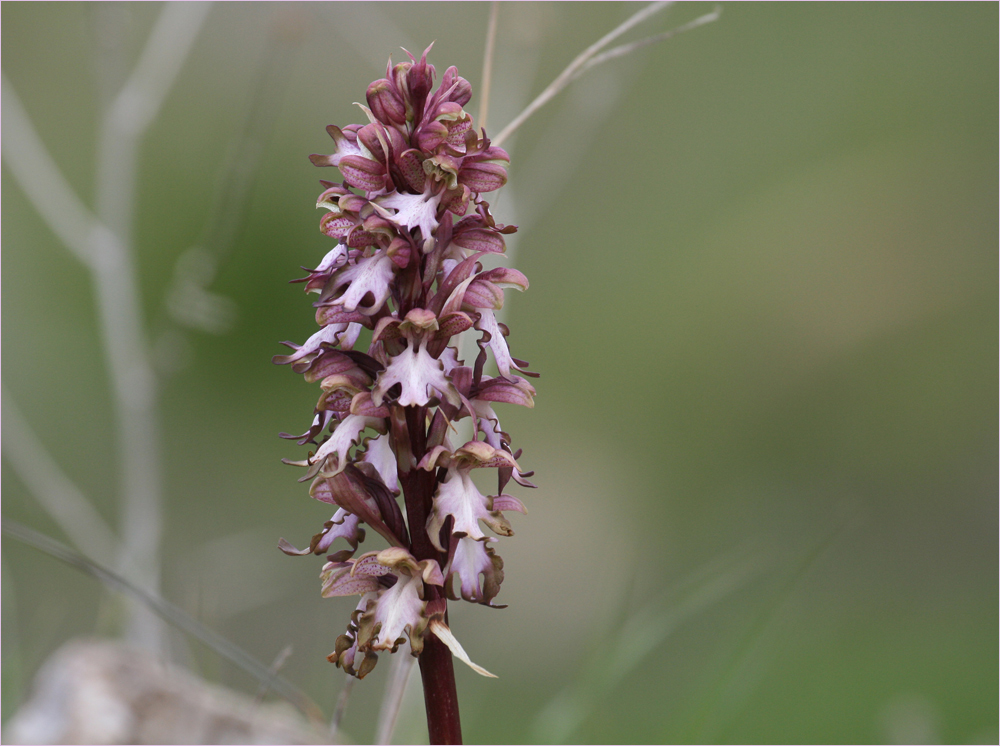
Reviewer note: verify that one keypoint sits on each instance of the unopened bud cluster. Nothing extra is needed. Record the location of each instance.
(410, 228)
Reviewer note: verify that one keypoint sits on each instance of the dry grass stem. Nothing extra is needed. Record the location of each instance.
(491, 37)
(395, 688)
(42, 181)
(567, 75)
(276, 666)
(625, 49)
(54, 491)
(341, 708)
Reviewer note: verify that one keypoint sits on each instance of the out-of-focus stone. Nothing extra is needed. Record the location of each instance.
(102, 692)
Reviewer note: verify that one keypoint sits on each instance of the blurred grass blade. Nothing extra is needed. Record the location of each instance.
(170, 613)
(341, 708)
(279, 661)
(491, 38)
(640, 634)
(395, 688)
(700, 720)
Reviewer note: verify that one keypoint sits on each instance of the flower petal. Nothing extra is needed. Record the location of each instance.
(346, 144)
(345, 526)
(347, 434)
(508, 502)
(483, 294)
(512, 390)
(488, 323)
(482, 177)
(370, 564)
(328, 334)
(337, 580)
(379, 454)
(352, 490)
(362, 173)
(488, 423)
(444, 635)
(347, 644)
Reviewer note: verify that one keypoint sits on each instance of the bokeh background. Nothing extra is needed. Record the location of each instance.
(763, 264)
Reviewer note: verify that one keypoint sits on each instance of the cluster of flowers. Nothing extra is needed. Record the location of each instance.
(411, 229)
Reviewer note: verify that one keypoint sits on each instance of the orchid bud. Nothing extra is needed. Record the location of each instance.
(386, 104)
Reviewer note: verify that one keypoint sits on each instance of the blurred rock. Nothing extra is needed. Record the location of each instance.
(102, 692)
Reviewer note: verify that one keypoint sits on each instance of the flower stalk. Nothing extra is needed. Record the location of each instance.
(411, 231)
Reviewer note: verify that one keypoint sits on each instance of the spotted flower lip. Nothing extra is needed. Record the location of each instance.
(411, 232)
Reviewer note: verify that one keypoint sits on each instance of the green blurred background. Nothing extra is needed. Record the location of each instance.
(763, 264)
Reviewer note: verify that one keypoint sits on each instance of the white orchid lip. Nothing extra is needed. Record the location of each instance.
(478, 569)
(419, 375)
(369, 275)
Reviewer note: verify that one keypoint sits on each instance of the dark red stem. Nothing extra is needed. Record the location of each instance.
(437, 670)
(440, 695)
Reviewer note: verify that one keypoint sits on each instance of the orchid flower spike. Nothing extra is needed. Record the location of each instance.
(410, 228)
